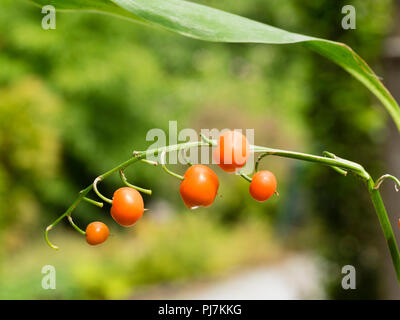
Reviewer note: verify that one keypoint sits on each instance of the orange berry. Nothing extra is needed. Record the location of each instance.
(200, 186)
(127, 206)
(96, 233)
(232, 152)
(263, 185)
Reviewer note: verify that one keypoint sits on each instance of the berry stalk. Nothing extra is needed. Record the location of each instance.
(340, 165)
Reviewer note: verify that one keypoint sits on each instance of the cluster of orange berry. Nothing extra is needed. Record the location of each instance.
(198, 188)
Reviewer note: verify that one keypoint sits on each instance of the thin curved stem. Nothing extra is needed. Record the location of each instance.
(387, 176)
(245, 176)
(71, 208)
(98, 179)
(187, 161)
(75, 226)
(125, 181)
(46, 237)
(162, 161)
(260, 157)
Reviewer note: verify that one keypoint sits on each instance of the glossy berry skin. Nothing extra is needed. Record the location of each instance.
(127, 206)
(199, 187)
(232, 152)
(263, 185)
(96, 233)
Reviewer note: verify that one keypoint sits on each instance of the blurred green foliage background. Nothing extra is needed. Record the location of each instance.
(76, 101)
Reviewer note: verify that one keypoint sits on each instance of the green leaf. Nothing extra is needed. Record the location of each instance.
(99, 6)
(205, 23)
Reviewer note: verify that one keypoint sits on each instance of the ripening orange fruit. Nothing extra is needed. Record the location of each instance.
(96, 233)
(199, 187)
(232, 151)
(127, 206)
(263, 185)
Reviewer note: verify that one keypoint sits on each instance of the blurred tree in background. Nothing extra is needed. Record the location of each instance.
(344, 119)
(77, 100)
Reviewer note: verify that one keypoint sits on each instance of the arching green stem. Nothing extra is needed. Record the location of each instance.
(329, 160)
(75, 226)
(187, 161)
(98, 192)
(245, 176)
(46, 237)
(125, 181)
(260, 157)
(162, 161)
(388, 176)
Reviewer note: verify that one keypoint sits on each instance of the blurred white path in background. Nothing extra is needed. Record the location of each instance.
(296, 277)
